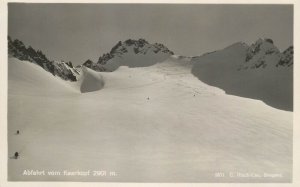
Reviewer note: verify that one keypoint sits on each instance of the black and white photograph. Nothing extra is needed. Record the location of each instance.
(149, 92)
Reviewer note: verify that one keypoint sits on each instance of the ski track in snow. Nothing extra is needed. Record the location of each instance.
(173, 136)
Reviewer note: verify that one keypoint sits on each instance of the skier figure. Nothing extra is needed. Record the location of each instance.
(148, 98)
(18, 132)
(16, 155)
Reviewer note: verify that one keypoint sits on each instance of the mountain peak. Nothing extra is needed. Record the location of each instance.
(140, 42)
(262, 40)
(261, 47)
(132, 53)
(139, 46)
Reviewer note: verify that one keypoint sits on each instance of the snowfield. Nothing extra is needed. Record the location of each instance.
(147, 124)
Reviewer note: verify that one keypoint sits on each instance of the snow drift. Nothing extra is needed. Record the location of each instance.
(91, 81)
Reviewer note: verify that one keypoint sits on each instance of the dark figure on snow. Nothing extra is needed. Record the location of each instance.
(18, 132)
(16, 155)
(148, 98)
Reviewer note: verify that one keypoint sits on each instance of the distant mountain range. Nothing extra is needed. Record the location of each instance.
(258, 71)
(131, 53)
(64, 70)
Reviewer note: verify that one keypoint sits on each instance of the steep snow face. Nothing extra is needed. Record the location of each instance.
(131, 53)
(90, 81)
(258, 71)
(61, 69)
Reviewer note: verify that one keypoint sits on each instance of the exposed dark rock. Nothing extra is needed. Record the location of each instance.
(139, 47)
(17, 49)
(287, 57)
(88, 63)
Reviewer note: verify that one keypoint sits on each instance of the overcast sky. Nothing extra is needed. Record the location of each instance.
(77, 32)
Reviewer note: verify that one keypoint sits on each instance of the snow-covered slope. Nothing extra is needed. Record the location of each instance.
(131, 53)
(258, 71)
(148, 124)
(26, 78)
